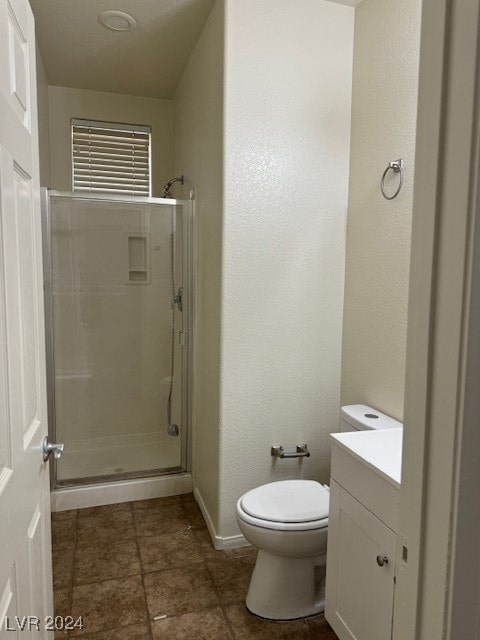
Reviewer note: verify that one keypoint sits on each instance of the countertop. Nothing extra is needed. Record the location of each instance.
(381, 450)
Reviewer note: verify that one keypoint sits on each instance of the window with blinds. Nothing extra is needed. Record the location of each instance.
(110, 157)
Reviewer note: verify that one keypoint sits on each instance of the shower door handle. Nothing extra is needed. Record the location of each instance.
(178, 299)
(49, 448)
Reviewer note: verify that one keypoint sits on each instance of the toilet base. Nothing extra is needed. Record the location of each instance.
(286, 588)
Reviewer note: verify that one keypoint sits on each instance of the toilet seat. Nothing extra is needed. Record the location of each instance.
(288, 505)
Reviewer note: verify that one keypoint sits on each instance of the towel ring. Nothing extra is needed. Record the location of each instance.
(397, 167)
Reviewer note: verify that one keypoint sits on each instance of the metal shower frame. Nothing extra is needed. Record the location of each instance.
(188, 328)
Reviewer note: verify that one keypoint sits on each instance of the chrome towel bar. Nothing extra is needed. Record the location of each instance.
(279, 452)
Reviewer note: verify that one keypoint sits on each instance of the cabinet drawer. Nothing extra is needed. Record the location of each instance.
(359, 592)
(370, 489)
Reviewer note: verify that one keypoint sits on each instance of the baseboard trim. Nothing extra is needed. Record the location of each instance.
(220, 543)
(95, 495)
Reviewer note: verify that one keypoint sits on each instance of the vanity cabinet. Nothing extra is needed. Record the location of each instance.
(363, 519)
(360, 570)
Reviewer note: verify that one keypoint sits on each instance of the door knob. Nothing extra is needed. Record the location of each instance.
(49, 448)
(382, 560)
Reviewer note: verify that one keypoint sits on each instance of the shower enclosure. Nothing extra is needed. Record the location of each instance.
(118, 290)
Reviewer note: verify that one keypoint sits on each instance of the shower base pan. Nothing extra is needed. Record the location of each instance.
(117, 457)
(119, 469)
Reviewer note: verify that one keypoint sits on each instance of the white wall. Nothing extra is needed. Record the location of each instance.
(198, 117)
(287, 135)
(384, 105)
(96, 105)
(43, 122)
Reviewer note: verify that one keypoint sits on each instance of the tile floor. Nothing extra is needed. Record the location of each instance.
(147, 570)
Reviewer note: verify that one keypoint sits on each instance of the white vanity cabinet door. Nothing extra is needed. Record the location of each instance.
(359, 592)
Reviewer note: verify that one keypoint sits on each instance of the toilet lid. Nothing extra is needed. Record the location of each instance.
(287, 501)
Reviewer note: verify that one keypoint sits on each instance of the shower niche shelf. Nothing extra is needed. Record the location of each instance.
(138, 258)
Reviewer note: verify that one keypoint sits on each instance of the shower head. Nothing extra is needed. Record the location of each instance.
(166, 187)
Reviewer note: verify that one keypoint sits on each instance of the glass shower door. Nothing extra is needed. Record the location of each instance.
(115, 265)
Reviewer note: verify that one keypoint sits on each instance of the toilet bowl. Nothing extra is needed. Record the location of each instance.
(288, 522)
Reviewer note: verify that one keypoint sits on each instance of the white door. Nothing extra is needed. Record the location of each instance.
(25, 556)
(360, 570)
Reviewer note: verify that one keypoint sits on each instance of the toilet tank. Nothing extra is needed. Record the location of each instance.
(360, 417)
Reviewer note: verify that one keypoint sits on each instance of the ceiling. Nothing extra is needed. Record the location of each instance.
(148, 61)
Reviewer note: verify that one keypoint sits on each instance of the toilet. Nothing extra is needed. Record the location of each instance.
(288, 522)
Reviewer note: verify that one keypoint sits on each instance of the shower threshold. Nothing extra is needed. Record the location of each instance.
(116, 477)
(115, 490)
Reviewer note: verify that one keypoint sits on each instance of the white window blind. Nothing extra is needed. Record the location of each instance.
(111, 157)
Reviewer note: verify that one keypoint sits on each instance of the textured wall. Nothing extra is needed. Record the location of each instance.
(96, 105)
(287, 136)
(384, 104)
(198, 118)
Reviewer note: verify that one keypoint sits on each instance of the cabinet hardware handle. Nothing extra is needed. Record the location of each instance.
(382, 560)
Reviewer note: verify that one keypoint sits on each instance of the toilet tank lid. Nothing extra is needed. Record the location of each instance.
(287, 501)
(361, 416)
